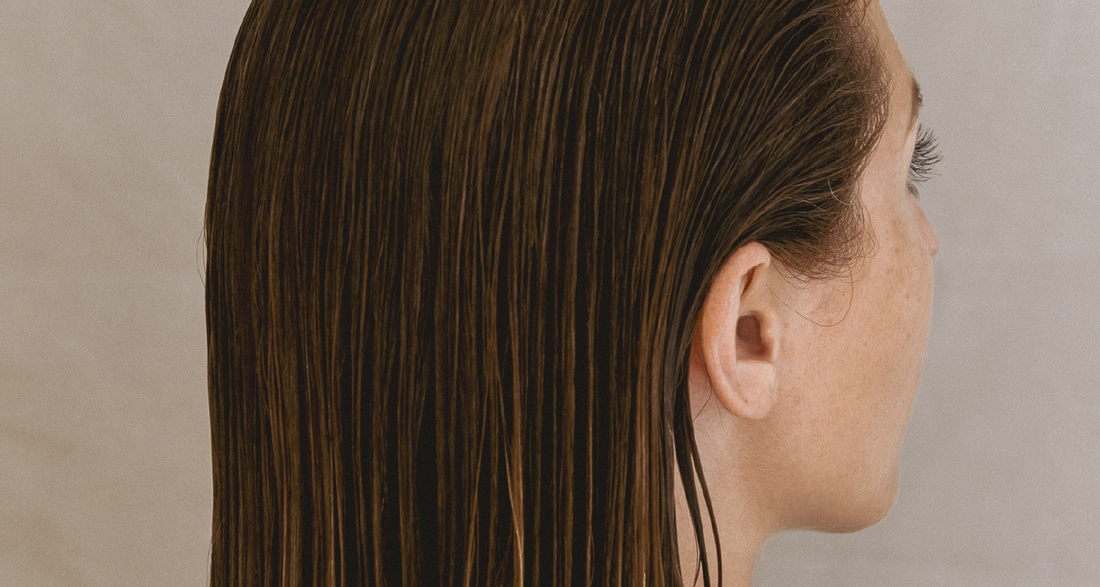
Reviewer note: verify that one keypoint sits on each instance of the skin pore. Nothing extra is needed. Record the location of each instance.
(801, 390)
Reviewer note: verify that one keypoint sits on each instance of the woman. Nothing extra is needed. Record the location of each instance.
(548, 293)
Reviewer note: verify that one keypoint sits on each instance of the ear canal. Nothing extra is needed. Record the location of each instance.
(750, 342)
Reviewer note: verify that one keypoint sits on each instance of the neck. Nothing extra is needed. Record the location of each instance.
(742, 536)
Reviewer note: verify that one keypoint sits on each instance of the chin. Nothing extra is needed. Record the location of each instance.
(860, 507)
(868, 515)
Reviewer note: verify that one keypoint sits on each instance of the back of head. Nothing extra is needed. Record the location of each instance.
(456, 252)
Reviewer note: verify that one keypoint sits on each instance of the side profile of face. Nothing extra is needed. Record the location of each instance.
(853, 350)
(814, 381)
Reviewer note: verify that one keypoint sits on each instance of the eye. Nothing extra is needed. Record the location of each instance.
(926, 155)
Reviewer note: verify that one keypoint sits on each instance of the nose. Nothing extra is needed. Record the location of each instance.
(930, 238)
(926, 230)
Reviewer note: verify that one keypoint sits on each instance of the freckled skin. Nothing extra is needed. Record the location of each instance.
(847, 388)
(818, 447)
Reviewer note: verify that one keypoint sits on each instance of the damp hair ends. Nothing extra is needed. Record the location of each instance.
(455, 255)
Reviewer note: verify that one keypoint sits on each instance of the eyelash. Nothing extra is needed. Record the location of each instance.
(926, 155)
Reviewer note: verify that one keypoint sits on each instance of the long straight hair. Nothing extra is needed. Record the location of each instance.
(456, 252)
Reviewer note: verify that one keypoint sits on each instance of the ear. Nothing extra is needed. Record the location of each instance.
(736, 335)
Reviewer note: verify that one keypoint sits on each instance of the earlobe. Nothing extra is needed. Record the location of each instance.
(737, 336)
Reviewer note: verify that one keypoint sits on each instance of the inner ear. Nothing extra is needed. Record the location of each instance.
(750, 341)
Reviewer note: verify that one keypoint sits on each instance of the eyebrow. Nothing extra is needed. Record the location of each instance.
(918, 101)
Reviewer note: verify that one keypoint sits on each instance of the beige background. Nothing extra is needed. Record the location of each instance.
(106, 115)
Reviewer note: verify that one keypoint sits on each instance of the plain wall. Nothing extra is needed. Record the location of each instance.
(106, 117)
(106, 120)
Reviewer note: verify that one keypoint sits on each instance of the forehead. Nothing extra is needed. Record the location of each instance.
(887, 44)
(905, 98)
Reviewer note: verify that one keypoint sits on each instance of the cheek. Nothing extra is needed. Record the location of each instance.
(856, 349)
(902, 288)
(901, 295)
(918, 247)
(895, 329)
(879, 353)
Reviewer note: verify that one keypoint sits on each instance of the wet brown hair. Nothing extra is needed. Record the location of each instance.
(456, 252)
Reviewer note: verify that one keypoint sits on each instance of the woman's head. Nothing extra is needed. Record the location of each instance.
(801, 388)
(459, 254)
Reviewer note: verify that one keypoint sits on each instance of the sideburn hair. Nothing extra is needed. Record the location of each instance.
(456, 252)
